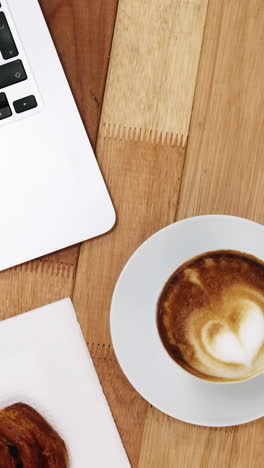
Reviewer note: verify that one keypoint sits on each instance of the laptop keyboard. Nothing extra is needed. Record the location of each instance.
(5, 110)
(12, 72)
(7, 44)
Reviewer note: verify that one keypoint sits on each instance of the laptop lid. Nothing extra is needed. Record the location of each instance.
(52, 193)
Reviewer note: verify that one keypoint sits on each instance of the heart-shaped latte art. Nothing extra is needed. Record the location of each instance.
(237, 338)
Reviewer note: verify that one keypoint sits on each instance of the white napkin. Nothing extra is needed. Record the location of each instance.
(44, 362)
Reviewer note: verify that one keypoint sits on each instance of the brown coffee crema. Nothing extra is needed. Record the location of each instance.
(210, 316)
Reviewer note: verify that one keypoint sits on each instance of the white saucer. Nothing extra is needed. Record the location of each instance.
(135, 338)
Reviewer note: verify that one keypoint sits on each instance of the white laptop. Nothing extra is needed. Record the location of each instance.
(52, 193)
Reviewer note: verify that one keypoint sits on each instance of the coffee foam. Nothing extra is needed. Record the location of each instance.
(211, 316)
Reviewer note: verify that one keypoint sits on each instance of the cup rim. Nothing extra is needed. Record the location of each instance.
(210, 379)
(125, 314)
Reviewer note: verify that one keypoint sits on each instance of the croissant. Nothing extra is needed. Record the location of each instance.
(28, 441)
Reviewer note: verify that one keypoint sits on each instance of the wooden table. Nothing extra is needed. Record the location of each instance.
(194, 147)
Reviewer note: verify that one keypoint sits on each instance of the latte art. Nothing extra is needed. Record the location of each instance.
(228, 344)
(211, 316)
(240, 346)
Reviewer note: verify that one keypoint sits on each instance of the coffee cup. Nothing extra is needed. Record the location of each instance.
(210, 316)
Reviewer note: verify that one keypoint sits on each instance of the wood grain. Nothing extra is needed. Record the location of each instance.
(37, 283)
(171, 444)
(143, 180)
(128, 408)
(153, 68)
(82, 31)
(225, 158)
(247, 447)
(224, 173)
(143, 174)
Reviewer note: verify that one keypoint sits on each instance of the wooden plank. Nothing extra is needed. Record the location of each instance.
(225, 158)
(224, 173)
(173, 444)
(37, 283)
(82, 31)
(128, 408)
(153, 67)
(143, 172)
(144, 181)
(247, 449)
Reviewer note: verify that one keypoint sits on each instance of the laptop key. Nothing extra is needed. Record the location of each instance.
(7, 43)
(25, 104)
(12, 73)
(5, 110)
